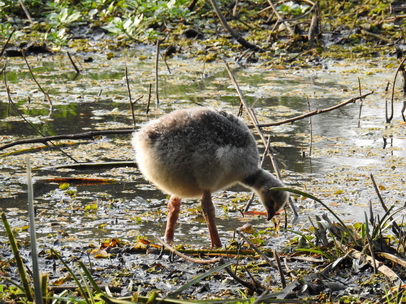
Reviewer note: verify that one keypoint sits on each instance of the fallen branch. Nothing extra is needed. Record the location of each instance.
(86, 166)
(187, 258)
(382, 268)
(85, 135)
(315, 112)
(254, 286)
(395, 259)
(233, 33)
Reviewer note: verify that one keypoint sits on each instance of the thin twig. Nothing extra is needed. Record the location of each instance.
(254, 120)
(91, 134)
(315, 112)
(388, 119)
(149, 98)
(183, 256)
(247, 206)
(129, 96)
(7, 41)
(166, 63)
(403, 70)
(396, 229)
(252, 116)
(378, 193)
(280, 19)
(361, 103)
(255, 248)
(26, 12)
(39, 86)
(74, 66)
(255, 284)
(43, 139)
(314, 29)
(238, 279)
(311, 129)
(158, 42)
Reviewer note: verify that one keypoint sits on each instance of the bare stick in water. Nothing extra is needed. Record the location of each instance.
(39, 86)
(158, 42)
(389, 118)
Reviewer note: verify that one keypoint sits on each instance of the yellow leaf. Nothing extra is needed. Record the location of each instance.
(60, 281)
(64, 186)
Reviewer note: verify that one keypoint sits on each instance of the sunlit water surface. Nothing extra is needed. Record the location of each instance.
(330, 155)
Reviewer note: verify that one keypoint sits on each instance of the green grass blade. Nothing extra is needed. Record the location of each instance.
(33, 236)
(87, 288)
(75, 278)
(323, 204)
(90, 278)
(20, 265)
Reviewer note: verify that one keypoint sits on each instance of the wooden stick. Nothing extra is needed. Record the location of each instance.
(39, 86)
(7, 41)
(233, 33)
(311, 130)
(84, 135)
(158, 42)
(315, 112)
(382, 268)
(255, 248)
(396, 229)
(388, 119)
(149, 98)
(129, 96)
(280, 19)
(360, 106)
(247, 206)
(278, 263)
(253, 117)
(26, 12)
(74, 66)
(261, 134)
(398, 260)
(183, 256)
(314, 29)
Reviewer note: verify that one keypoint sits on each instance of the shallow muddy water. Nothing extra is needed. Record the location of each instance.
(332, 157)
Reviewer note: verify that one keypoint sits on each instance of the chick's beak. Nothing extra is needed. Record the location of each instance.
(271, 212)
